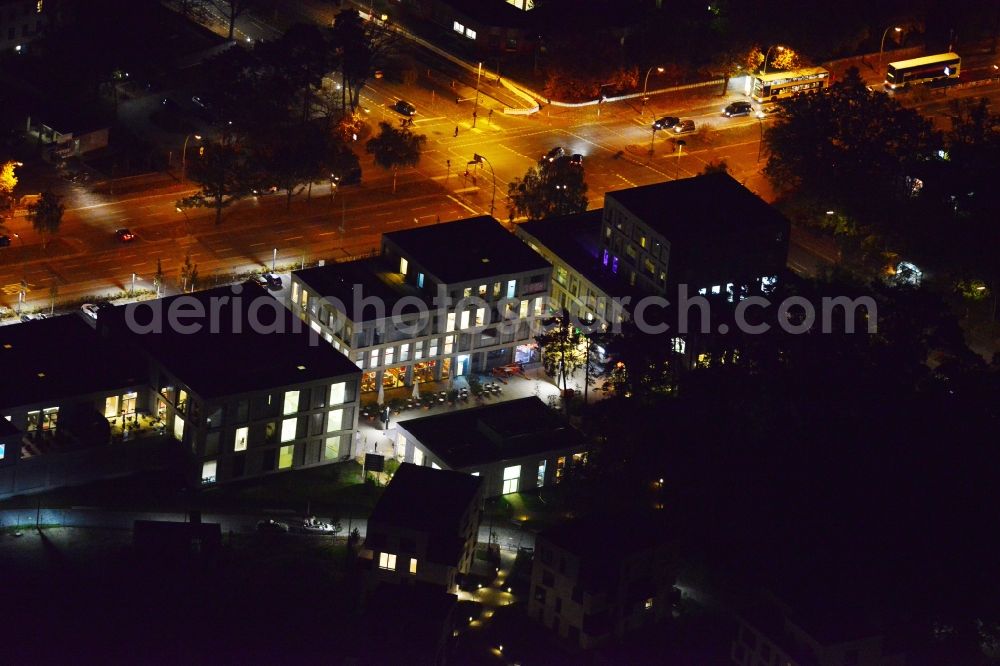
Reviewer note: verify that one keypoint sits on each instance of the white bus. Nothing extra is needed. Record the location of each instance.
(922, 70)
(782, 85)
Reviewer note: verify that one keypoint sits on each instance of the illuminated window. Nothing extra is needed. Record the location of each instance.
(413, 566)
(717, 289)
(208, 471)
(434, 465)
(420, 280)
(285, 455)
(458, 27)
(295, 292)
(470, 33)
(482, 291)
(648, 603)
(467, 292)
(387, 561)
(540, 481)
(403, 265)
(111, 406)
(679, 345)
(331, 448)
(291, 403)
(418, 456)
(522, 310)
(338, 393)
(511, 288)
(404, 352)
(511, 475)
(373, 360)
(538, 306)
(496, 289)
(451, 323)
(288, 429)
(480, 316)
(449, 343)
(465, 320)
(475, 474)
(38, 7)
(390, 354)
(178, 428)
(240, 443)
(433, 349)
(335, 420)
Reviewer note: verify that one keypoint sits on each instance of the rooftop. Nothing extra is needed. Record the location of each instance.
(502, 431)
(426, 499)
(346, 284)
(244, 343)
(47, 360)
(467, 250)
(699, 209)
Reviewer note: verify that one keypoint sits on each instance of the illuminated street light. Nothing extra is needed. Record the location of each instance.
(881, 46)
(645, 86)
(768, 55)
(184, 154)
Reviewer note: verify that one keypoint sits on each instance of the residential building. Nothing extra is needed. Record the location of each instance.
(596, 579)
(239, 381)
(514, 446)
(439, 301)
(424, 527)
(21, 21)
(708, 232)
(494, 26)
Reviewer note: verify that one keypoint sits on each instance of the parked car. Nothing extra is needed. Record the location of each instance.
(576, 159)
(34, 317)
(405, 108)
(271, 526)
(738, 109)
(684, 126)
(124, 235)
(267, 280)
(313, 526)
(90, 310)
(666, 122)
(554, 154)
(4, 241)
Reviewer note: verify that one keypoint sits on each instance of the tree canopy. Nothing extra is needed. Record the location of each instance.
(551, 189)
(395, 148)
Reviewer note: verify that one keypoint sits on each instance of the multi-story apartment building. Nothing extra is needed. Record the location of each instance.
(440, 301)
(424, 527)
(708, 232)
(21, 21)
(250, 391)
(590, 592)
(514, 446)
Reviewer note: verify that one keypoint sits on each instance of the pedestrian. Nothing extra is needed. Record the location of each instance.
(456, 130)
(490, 116)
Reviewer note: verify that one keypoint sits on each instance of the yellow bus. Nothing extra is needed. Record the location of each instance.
(922, 70)
(781, 85)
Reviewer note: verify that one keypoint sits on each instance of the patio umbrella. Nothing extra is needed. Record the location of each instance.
(381, 395)
(416, 389)
(451, 382)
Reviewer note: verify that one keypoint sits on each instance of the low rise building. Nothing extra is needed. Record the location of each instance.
(591, 588)
(439, 301)
(424, 527)
(514, 446)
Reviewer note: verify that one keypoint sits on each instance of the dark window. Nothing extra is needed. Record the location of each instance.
(574, 633)
(315, 424)
(540, 594)
(375, 540)
(407, 545)
(271, 432)
(239, 465)
(318, 398)
(562, 564)
(212, 443)
(548, 578)
(558, 604)
(577, 594)
(242, 411)
(546, 556)
(269, 458)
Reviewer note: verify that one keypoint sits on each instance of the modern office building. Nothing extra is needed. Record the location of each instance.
(513, 446)
(439, 301)
(424, 527)
(240, 382)
(591, 590)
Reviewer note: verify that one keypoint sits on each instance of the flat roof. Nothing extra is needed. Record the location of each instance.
(576, 239)
(699, 210)
(805, 71)
(924, 60)
(465, 250)
(493, 433)
(48, 360)
(346, 284)
(253, 344)
(426, 499)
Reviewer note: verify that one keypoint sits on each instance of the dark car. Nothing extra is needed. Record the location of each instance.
(124, 235)
(268, 280)
(405, 108)
(554, 154)
(4, 241)
(738, 109)
(576, 159)
(271, 526)
(684, 126)
(666, 122)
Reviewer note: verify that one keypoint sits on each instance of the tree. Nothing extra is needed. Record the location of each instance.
(552, 189)
(563, 350)
(46, 215)
(717, 165)
(8, 181)
(363, 47)
(158, 277)
(394, 148)
(223, 173)
(189, 273)
(231, 10)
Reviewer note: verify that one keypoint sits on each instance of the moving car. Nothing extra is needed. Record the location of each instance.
(554, 154)
(124, 235)
(576, 159)
(405, 108)
(90, 310)
(738, 109)
(684, 126)
(766, 110)
(272, 526)
(268, 280)
(666, 122)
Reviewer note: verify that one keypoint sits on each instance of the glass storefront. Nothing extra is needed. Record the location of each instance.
(394, 377)
(445, 368)
(526, 353)
(424, 371)
(368, 381)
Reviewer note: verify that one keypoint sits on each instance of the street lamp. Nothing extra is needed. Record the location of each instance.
(768, 55)
(475, 108)
(274, 259)
(479, 159)
(881, 46)
(184, 154)
(132, 293)
(645, 86)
